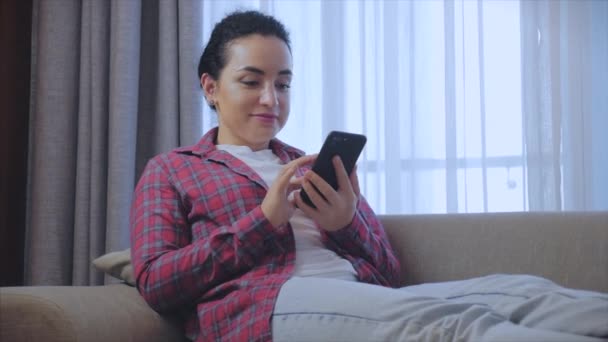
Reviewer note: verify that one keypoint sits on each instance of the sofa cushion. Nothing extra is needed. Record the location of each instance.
(106, 313)
(32, 318)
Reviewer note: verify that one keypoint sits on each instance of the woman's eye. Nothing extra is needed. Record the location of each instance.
(283, 86)
(250, 83)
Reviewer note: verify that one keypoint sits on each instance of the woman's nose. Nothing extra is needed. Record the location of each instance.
(269, 96)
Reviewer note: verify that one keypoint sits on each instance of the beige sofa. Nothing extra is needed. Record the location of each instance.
(568, 248)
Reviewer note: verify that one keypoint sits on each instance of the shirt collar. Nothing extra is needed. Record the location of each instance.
(205, 148)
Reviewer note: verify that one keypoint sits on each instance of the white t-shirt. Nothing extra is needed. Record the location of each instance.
(313, 259)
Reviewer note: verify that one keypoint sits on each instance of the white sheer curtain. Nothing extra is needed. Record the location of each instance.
(468, 106)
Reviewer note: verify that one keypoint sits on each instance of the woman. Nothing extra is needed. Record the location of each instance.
(221, 235)
(212, 223)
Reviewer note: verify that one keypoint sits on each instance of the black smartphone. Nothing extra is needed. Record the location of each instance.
(346, 145)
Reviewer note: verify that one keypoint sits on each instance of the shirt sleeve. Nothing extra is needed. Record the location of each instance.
(171, 270)
(364, 238)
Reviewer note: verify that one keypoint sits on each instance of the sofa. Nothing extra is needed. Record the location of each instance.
(570, 248)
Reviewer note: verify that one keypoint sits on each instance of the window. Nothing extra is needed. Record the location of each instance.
(435, 86)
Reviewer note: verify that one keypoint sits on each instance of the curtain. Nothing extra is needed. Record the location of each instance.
(564, 58)
(468, 106)
(565, 68)
(113, 83)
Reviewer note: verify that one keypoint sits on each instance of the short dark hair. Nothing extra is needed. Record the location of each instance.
(236, 25)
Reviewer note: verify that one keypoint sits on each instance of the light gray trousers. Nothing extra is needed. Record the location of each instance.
(492, 308)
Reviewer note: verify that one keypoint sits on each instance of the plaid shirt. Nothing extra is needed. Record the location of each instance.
(202, 247)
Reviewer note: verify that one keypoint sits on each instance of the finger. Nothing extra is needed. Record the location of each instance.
(310, 160)
(294, 184)
(354, 181)
(285, 176)
(290, 169)
(314, 195)
(341, 175)
(322, 186)
(300, 204)
(296, 180)
(304, 160)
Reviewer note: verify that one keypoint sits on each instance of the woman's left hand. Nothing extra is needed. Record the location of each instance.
(335, 208)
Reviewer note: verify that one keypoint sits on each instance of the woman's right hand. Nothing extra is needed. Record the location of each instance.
(276, 206)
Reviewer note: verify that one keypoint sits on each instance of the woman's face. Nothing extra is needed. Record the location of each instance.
(251, 96)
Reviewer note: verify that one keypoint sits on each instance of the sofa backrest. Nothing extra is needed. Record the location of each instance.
(570, 248)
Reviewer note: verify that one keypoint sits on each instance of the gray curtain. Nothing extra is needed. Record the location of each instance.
(113, 83)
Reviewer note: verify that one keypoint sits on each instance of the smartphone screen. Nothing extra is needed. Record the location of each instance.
(346, 145)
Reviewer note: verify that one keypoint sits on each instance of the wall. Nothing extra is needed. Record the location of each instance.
(15, 51)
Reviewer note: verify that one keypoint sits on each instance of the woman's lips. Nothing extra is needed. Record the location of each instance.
(265, 117)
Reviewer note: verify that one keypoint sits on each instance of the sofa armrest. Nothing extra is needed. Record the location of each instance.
(81, 313)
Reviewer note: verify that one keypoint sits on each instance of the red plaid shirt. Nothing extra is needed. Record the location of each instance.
(202, 247)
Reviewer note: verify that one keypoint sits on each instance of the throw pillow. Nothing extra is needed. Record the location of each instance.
(117, 264)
